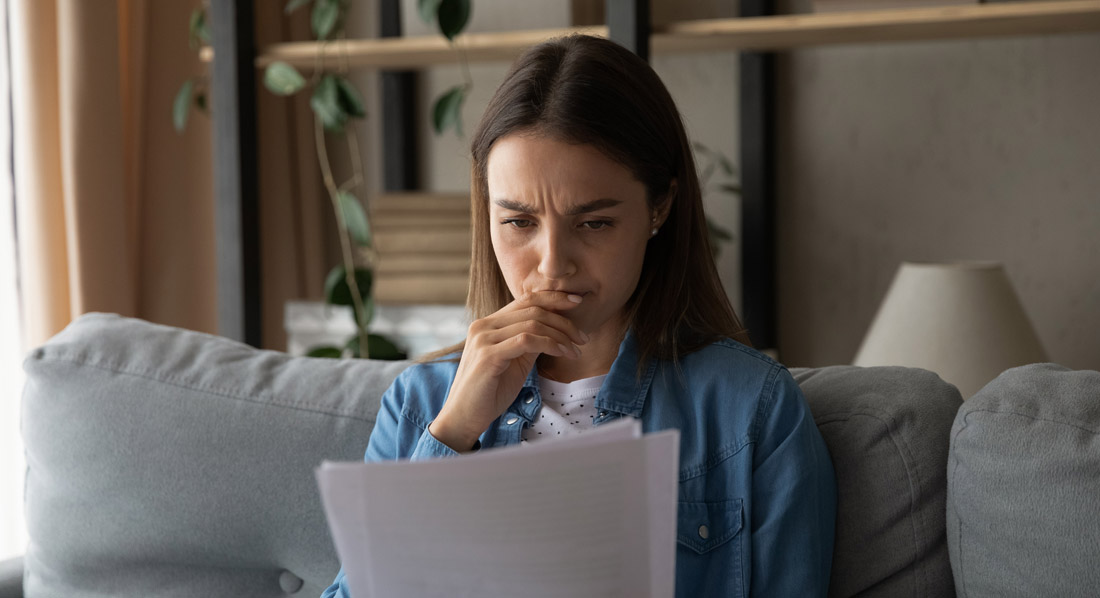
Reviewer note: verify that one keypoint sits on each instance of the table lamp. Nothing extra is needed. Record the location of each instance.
(961, 320)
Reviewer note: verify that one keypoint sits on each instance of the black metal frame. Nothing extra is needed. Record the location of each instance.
(236, 204)
(628, 24)
(400, 170)
(628, 21)
(758, 225)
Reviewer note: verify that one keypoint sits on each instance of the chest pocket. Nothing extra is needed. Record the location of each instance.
(704, 526)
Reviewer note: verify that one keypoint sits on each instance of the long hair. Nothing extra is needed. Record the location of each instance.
(587, 90)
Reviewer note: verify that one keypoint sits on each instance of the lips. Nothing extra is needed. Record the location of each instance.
(567, 291)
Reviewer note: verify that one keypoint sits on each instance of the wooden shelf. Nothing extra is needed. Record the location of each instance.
(411, 52)
(759, 33)
(935, 23)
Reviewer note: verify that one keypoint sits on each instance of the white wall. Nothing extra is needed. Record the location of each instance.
(938, 151)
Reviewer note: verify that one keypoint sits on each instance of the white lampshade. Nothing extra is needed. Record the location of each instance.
(961, 320)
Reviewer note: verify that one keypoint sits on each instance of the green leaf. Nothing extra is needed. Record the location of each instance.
(327, 352)
(336, 285)
(453, 16)
(726, 165)
(379, 347)
(282, 79)
(200, 31)
(717, 236)
(325, 16)
(383, 348)
(181, 106)
(448, 110)
(326, 104)
(717, 232)
(428, 10)
(350, 100)
(294, 5)
(355, 219)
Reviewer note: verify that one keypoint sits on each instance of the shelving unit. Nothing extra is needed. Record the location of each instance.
(770, 33)
(757, 34)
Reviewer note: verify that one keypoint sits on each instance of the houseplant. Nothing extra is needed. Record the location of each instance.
(335, 101)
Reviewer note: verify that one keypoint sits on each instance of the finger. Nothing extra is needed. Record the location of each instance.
(541, 315)
(538, 330)
(526, 343)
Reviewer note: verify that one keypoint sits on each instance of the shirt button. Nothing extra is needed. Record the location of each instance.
(529, 400)
(512, 420)
(704, 533)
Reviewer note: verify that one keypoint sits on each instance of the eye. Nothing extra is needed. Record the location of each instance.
(516, 222)
(596, 224)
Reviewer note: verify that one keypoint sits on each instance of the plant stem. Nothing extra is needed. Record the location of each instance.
(345, 240)
(464, 62)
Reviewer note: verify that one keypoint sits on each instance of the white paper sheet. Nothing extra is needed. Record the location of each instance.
(592, 515)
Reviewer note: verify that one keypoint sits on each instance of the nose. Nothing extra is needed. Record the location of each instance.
(556, 260)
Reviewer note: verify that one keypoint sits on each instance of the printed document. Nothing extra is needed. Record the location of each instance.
(593, 515)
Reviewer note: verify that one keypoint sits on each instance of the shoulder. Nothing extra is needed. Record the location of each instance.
(735, 382)
(728, 361)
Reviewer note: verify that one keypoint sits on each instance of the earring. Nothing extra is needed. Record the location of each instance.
(653, 232)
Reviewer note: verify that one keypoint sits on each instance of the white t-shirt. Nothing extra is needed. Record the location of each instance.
(567, 408)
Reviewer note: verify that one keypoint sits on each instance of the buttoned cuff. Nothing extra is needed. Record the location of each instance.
(429, 447)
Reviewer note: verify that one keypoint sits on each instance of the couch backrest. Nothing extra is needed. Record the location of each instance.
(163, 462)
(1023, 486)
(887, 431)
(172, 463)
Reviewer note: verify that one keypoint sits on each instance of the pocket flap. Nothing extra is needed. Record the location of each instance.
(703, 526)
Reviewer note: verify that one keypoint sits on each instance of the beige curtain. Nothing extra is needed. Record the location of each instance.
(114, 209)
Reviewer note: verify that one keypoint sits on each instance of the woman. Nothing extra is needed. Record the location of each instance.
(591, 276)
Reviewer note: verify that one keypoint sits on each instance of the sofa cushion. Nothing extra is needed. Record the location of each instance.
(1023, 486)
(164, 462)
(887, 431)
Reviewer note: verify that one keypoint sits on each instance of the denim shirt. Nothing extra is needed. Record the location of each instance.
(757, 495)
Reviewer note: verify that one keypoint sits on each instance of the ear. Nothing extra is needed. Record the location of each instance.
(665, 206)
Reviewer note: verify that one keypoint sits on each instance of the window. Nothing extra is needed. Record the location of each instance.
(13, 535)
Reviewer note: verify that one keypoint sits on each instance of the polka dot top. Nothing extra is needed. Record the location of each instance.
(567, 408)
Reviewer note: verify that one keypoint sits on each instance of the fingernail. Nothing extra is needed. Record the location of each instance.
(584, 337)
(575, 298)
(577, 350)
(563, 348)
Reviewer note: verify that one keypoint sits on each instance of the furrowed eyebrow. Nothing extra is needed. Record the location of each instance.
(594, 206)
(515, 206)
(584, 208)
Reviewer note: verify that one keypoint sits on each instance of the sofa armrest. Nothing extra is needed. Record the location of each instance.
(11, 578)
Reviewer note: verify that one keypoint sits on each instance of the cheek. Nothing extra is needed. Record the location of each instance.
(623, 266)
(510, 262)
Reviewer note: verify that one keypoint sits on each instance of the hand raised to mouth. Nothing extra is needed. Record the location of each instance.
(500, 351)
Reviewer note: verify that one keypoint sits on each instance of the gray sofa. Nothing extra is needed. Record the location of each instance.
(163, 462)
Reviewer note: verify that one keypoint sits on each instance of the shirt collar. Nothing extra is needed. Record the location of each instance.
(623, 391)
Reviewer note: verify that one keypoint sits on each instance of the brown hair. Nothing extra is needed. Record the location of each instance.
(587, 90)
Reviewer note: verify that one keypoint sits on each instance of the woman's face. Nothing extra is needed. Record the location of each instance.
(566, 217)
